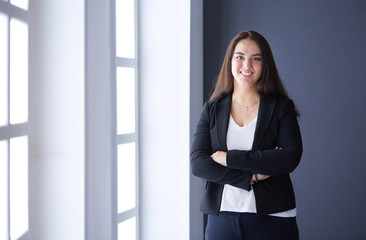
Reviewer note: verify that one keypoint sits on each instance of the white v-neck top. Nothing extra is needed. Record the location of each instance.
(236, 199)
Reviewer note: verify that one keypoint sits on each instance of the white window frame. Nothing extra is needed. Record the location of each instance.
(10, 131)
(130, 137)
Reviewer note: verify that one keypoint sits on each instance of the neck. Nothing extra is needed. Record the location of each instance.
(245, 96)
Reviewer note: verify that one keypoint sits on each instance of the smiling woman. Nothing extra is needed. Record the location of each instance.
(247, 141)
(246, 64)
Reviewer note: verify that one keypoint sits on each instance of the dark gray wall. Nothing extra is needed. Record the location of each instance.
(320, 51)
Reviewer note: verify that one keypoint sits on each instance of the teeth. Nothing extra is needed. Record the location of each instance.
(246, 74)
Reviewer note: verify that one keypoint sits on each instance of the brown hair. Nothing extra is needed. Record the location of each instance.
(269, 84)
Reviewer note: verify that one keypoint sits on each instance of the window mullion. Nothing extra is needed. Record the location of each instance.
(126, 138)
(12, 131)
(123, 216)
(13, 11)
(126, 62)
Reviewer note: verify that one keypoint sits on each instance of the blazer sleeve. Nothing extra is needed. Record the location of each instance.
(273, 161)
(203, 166)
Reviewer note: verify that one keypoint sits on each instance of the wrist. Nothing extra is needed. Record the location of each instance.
(254, 178)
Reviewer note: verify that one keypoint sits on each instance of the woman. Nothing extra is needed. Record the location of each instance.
(246, 143)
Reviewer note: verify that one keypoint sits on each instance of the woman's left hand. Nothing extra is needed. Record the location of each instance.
(220, 158)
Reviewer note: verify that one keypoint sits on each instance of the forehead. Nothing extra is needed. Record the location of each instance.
(247, 46)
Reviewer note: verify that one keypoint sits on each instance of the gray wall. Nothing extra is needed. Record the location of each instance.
(196, 219)
(320, 51)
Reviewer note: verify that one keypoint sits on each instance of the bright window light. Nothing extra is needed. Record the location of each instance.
(18, 186)
(126, 177)
(20, 3)
(4, 190)
(125, 36)
(125, 100)
(3, 70)
(127, 229)
(18, 71)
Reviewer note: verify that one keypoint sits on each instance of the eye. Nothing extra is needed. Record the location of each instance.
(258, 59)
(239, 57)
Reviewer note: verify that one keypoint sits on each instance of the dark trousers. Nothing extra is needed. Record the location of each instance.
(249, 226)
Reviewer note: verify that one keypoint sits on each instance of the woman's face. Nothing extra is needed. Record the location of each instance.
(246, 64)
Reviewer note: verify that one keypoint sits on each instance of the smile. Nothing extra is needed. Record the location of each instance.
(246, 74)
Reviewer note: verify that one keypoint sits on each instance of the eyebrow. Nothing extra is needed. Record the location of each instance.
(240, 53)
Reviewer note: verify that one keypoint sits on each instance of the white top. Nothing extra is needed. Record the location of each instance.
(236, 199)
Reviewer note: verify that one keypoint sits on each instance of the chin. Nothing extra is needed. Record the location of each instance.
(245, 82)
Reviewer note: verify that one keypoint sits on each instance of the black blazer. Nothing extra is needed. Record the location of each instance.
(276, 126)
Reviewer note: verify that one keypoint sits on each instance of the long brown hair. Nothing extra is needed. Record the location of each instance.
(269, 84)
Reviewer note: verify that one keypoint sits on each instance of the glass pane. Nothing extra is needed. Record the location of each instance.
(3, 70)
(125, 24)
(18, 71)
(4, 190)
(125, 100)
(127, 229)
(126, 177)
(18, 186)
(20, 3)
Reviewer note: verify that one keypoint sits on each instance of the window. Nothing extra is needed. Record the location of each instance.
(14, 25)
(127, 118)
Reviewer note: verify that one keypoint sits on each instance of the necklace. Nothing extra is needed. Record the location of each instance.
(246, 107)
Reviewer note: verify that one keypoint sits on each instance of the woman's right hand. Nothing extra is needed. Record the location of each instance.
(260, 177)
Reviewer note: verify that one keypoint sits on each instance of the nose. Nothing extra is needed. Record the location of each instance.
(247, 63)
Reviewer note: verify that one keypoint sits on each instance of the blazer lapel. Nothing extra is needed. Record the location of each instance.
(265, 112)
(222, 116)
(222, 119)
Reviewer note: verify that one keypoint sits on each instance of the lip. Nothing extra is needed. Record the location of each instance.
(246, 73)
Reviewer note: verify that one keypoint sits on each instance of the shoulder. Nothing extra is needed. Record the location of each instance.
(278, 101)
(222, 101)
(282, 105)
(285, 106)
(284, 101)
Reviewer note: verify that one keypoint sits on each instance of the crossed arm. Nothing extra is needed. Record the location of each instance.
(220, 158)
(238, 168)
